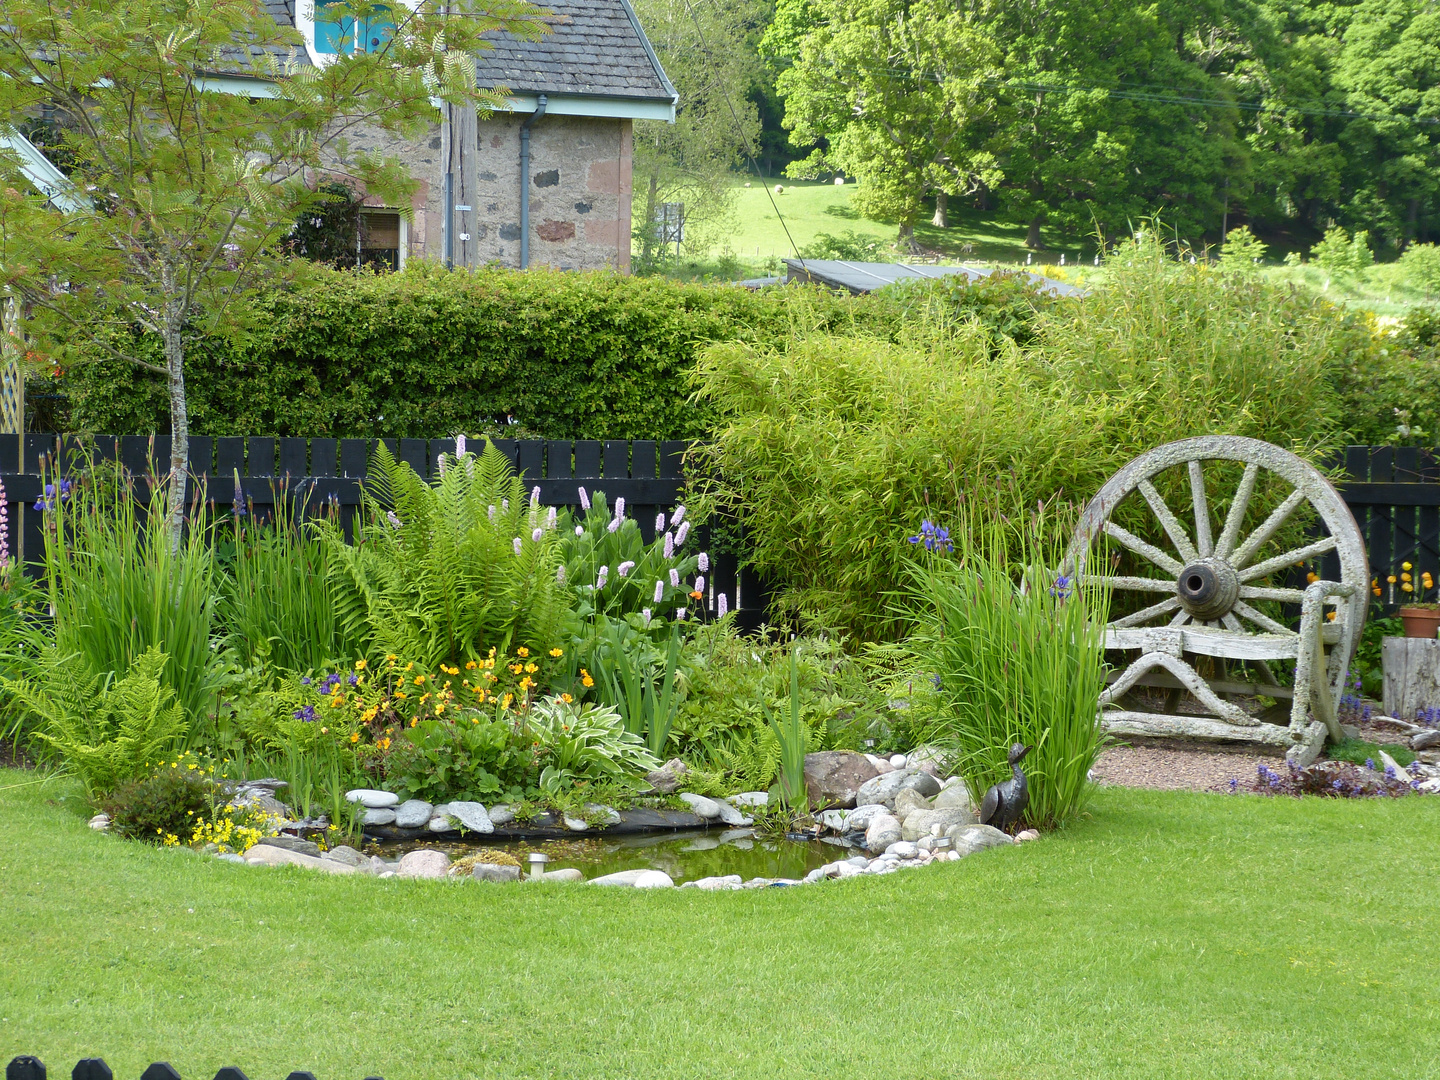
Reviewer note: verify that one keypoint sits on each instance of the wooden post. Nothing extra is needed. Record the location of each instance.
(1412, 675)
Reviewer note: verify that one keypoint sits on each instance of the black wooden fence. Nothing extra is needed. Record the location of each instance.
(319, 473)
(32, 1068)
(1394, 492)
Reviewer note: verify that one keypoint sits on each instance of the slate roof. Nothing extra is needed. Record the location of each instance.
(862, 277)
(596, 48)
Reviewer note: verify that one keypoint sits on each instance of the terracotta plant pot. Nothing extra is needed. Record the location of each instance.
(1421, 622)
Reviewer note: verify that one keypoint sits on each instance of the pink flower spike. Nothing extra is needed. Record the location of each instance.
(614, 524)
(680, 614)
(534, 497)
(678, 516)
(674, 578)
(584, 500)
(579, 530)
(669, 546)
(625, 567)
(600, 578)
(441, 463)
(459, 446)
(659, 591)
(722, 606)
(660, 523)
(492, 515)
(550, 519)
(683, 532)
(700, 584)
(537, 535)
(560, 575)
(646, 613)
(703, 562)
(516, 545)
(620, 508)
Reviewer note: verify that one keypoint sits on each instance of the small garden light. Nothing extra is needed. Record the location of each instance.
(538, 859)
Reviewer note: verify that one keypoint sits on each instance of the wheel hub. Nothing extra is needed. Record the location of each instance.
(1208, 589)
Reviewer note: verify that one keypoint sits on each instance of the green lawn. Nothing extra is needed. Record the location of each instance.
(1166, 935)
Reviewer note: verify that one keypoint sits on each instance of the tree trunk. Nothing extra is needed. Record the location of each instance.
(941, 220)
(179, 421)
(1032, 235)
(907, 236)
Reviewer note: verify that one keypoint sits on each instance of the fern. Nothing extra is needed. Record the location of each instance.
(105, 731)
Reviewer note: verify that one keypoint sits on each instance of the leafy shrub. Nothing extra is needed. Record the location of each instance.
(104, 730)
(466, 756)
(441, 573)
(828, 450)
(1242, 250)
(851, 245)
(585, 743)
(1390, 382)
(1420, 263)
(1339, 252)
(164, 805)
(1018, 657)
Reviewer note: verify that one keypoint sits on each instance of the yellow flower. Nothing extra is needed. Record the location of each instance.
(1330, 615)
(336, 702)
(359, 665)
(391, 657)
(470, 665)
(566, 698)
(585, 679)
(355, 736)
(522, 651)
(1406, 587)
(1406, 566)
(401, 694)
(419, 679)
(1404, 577)
(505, 702)
(474, 719)
(1391, 579)
(1311, 578)
(414, 720)
(531, 669)
(557, 653)
(324, 731)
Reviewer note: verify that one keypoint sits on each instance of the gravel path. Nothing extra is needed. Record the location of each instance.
(1175, 770)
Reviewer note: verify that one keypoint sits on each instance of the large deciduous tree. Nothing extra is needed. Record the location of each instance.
(192, 137)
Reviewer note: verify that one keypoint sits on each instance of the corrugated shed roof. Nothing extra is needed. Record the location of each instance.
(861, 277)
(597, 48)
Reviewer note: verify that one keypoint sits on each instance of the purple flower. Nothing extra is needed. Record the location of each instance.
(679, 613)
(660, 523)
(516, 545)
(674, 578)
(1370, 763)
(678, 516)
(1061, 589)
(492, 514)
(394, 521)
(620, 508)
(659, 591)
(646, 613)
(560, 575)
(305, 680)
(353, 678)
(1234, 783)
(584, 500)
(534, 498)
(703, 563)
(722, 606)
(550, 519)
(681, 533)
(625, 567)
(934, 537)
(600, 578)
(614, 524)
(669, 546)
(459, 446)
(699, 584)
(537, 535)
(306, 714)
(579, 530)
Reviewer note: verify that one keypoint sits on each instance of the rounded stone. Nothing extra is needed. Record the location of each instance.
(654, 879)
(376, 800)
(426, 863)
(897, 761)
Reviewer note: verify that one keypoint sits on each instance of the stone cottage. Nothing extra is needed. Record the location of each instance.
(547, 181)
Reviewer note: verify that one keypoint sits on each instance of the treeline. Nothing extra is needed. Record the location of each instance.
(1089, 115)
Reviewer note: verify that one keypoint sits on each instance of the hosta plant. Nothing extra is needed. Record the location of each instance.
(585, 743)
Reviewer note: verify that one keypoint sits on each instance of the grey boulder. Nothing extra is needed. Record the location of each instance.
(861, 816)
(489, 872)
(291, 843)
(623, 877)
(885, 787)
(954, 795)
(729, 815)
(969, 839)
(700, 806)
(375, 800)
(471, 816)
(501, 815)
(569, 873)
(668, 777)
(884, 830)
(908, 800)
(413, 813)
(654, 879)
(920, 823)
(751, 798)
(379, 817)
(426, 863)
(347, 855)
(265, 855)
(1426, 740)
(833, 777)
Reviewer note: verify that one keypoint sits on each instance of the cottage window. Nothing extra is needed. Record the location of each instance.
(369, 35)
(382, 240)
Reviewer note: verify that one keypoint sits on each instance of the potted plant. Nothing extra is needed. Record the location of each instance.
(1421, 618)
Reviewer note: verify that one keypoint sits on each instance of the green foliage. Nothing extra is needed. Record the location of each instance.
(1019, 654)
(441, 573)
(1420, 263)
(850, 245)
(793, 739)
(104, 730)
(1358, 751)
(1341, 253)
(830, 450)
(1390, 383)
(585, 743)
(614, 572)
(472, 756)
(166, 803)
(1242, 250)
(646, 705)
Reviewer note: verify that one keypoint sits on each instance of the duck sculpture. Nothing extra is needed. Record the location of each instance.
(1007, 800)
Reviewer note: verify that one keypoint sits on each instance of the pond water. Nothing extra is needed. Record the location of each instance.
(685, 856)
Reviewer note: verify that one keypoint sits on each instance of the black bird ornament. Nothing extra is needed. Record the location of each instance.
(1006, 801)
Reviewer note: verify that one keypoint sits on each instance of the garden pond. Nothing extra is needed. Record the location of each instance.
(686, 856)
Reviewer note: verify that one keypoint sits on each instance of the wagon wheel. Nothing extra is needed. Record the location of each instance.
(1212, 579)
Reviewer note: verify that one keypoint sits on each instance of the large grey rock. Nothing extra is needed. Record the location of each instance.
(953, 796)
(731, 816)
(347, 855)
(471, 816)
(833, 777)
(575, 824)
(834, 820)
(265, 855)
(441, 823)
(903, 849)
(490, 872)
(426, 863)
(861, 816)
(708, 809)
(885, 787)
(379, 817)
(654, 879)
(606, 815)
(908, 800)
(926, 758)
(920, 823)
(622, 877)
(291, 843)
(569, 873)
(413, 813)
(883, 831)
(712, 884)
(1426, 740)
(501, 815)
(751, 798)
(376, 800)
(969, 839)
(668, 777)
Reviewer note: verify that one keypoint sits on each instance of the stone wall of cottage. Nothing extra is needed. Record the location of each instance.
(580, 190)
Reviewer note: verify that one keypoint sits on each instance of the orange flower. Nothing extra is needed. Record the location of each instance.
(557, 653)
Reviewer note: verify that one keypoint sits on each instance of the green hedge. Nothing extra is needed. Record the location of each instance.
(428, 353)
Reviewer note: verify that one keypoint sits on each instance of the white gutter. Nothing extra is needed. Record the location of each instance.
(41, 172)
(615, 108)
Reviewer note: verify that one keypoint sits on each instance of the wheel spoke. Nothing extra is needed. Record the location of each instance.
(1236, 517)
(1290, 558)
(1231, 622)
(1261, 620)
(1203, 542)
(1285, 596)
(1181, 618)
(1172, 526)
(1132, 584)
(1278, 517)
(1148, 613)
(1140, 547)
